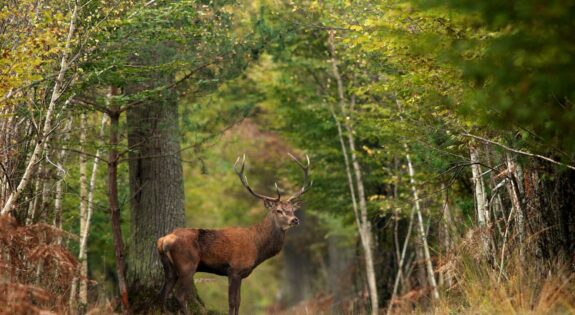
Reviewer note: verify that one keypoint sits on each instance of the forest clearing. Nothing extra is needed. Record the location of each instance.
(287, 157)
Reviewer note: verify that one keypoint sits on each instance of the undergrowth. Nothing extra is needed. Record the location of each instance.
(478, 286)
(36, 271)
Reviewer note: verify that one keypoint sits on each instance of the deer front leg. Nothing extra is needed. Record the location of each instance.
(235, 283)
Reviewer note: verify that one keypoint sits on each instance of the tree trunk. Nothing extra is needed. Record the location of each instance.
(365, 228)
(515, 196)
(480, 199)
(58, 199)
(447, 226)
(114, 205)
(33, 205)
(156, 188)
(401, 262)
(362, 220)
(83, 296)
(56, 93)
(422, 232)
(83, 252)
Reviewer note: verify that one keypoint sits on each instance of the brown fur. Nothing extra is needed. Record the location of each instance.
(232, 252)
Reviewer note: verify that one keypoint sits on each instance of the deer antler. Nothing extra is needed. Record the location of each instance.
(306, 184)
(244, 181)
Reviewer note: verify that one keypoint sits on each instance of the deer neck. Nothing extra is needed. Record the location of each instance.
(269, 237)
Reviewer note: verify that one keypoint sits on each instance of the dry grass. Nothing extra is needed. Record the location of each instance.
(479, 289)
(527, 288)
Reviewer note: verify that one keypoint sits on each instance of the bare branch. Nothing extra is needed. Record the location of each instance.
(518, 151)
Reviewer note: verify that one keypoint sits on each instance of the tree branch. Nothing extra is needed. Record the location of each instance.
(519, 151)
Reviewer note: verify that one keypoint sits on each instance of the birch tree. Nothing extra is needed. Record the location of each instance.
(421, 226)
(362, 220)
(59, 196)
(482, 210)
(57, 92)
(514, 190)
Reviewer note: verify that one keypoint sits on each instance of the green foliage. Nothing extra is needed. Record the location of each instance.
(256, 77)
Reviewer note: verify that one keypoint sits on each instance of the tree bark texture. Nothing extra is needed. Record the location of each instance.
(515, 196)
(114, 205)
(483, 218)
(156, 187)
(83, 294)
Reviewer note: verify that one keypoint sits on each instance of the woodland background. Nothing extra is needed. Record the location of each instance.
(441, 136)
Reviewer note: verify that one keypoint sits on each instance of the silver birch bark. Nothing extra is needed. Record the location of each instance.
(495, 202)
(480, 197)
(83, 252)
(83, 294)
(33, 205)
(515, 196)
(421, 227)
(446, 277)
(401, 261)
(56, 93)
(365, 226)
(422, 233)
(59, 183)
(347, 168)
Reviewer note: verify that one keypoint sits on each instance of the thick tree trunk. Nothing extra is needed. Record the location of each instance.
(156, 189)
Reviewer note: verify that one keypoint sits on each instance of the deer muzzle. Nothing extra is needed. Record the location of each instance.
(294, 222)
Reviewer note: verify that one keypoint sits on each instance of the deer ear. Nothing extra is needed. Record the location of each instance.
(297, 204)
(269, 204)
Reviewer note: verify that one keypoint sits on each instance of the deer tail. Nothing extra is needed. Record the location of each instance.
(163, 246)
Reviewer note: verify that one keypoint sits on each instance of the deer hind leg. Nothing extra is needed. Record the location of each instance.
(164, 246)
(170, 279)
(185, 284)
(235, 283)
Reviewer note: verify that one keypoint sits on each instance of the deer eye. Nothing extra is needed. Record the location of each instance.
(279, 212)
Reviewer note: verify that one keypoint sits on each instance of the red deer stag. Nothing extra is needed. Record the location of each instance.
(232, 252)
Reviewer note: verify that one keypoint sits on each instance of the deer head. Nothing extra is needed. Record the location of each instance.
(282, 211)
